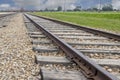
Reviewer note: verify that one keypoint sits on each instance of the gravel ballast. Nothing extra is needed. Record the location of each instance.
(16, 55)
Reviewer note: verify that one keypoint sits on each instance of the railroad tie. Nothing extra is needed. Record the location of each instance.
(35, 33)
(27, 21)
(98, 44)
(61, 75)
(99, 51)
(52, 60)
(65, 30)
(86, 38)
(38, 49)
(37, 36)
(109, 62)
(41, 42)
(73, 34)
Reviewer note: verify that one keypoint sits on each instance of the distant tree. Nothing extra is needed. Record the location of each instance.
(89, 9)
(69, 10)
(59, 8)
(114, 9)
(41, 10)
(46, 9)
(78, 8)
(52, 10)
(95, 9)
(92, 9)
(107, 7)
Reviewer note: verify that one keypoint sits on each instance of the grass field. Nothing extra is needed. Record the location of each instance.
(109, 21)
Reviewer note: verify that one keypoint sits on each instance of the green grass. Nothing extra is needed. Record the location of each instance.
(109, 21)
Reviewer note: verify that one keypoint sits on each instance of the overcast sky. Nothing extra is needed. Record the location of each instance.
(53, 4)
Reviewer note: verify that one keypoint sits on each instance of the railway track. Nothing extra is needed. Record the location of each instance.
(65, 52)
(5, 19)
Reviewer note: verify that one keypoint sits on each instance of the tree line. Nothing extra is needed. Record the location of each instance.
(107, 7)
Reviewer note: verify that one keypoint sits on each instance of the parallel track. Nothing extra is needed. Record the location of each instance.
(4, 19)
(84, 43)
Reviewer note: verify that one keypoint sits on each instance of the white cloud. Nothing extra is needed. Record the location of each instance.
(72, 6)
(27, 3)
(116, 4)
(42, 4)
(4, 6)
(51, 4)
(7, 7)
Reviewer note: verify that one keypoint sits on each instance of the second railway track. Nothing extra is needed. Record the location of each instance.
(5, 19)
(59, 62)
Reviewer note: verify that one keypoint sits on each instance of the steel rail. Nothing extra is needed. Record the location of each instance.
(4, 15)
(91, 30)
(90, 69)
